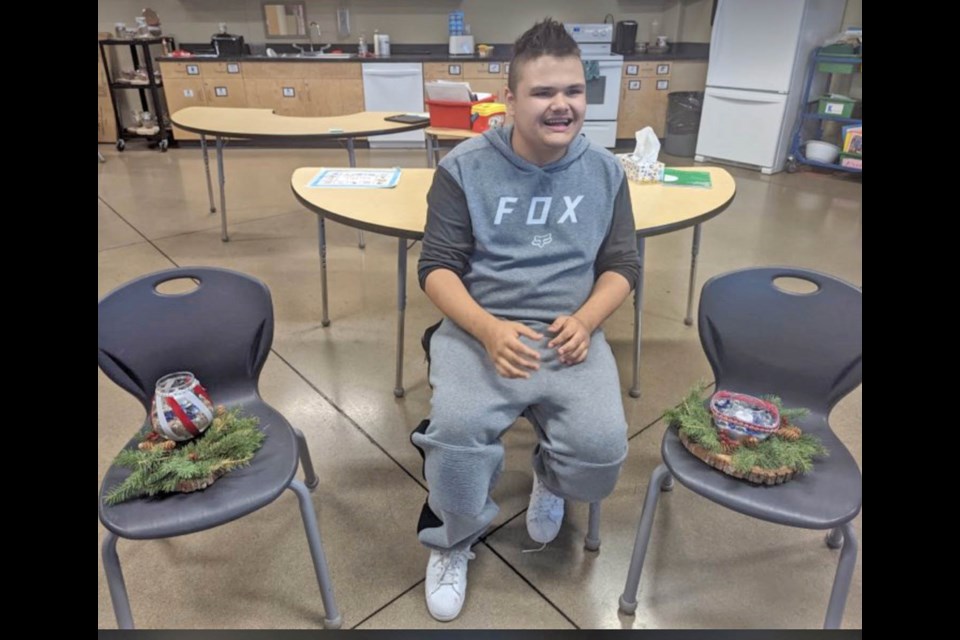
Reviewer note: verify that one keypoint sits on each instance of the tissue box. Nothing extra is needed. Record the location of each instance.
(639, 171)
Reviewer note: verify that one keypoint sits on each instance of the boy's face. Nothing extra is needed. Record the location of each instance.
(547, 108)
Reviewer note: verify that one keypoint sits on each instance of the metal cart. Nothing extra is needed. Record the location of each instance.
(149, 89)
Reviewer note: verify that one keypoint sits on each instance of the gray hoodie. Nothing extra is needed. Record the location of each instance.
(529, 242)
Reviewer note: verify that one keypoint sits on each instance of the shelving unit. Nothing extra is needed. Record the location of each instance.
(150, 92)
(810, 123)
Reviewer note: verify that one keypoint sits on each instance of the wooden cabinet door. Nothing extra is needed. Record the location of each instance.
(286, 96)
(182, 93)
(643, 98)
(106, 119)
(225, 92)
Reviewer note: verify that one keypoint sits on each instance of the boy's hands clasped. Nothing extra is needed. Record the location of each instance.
(513, 359)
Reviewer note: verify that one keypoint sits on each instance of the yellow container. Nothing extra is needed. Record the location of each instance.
(487, 115)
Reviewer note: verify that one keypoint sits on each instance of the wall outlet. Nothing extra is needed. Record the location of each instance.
(343, 22)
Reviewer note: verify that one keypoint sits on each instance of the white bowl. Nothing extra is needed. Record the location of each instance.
(822, 151)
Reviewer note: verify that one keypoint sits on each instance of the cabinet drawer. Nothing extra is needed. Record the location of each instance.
(181, 69)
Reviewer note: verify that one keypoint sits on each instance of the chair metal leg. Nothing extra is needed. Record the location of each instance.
(834, 539)
(332, 619)
(628, 599)
(841, 581)
(667, 484)
(118, 588)
(592, 541)
(310, 478)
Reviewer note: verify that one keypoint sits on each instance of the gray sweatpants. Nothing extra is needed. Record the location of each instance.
(577, 411)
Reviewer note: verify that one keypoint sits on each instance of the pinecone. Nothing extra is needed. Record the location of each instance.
(221, 410)
(727, 444)
(789, 433)
(750, 442)
(146, 445)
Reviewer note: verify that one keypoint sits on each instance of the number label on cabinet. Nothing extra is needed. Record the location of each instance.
(193, 70)
(188, 93)
(663, 85)
(663, 69)
(453, 69)
(233, 67)
(220, 92)
(289, 92)
(493, 67)
(632, 70)
(633, 85)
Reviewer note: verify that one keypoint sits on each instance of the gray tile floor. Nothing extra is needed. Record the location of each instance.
(706, 568)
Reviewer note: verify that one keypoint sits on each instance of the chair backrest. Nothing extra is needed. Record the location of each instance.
(221, 331)
(759, 338)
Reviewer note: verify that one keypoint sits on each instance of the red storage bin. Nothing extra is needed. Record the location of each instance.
(452, 115)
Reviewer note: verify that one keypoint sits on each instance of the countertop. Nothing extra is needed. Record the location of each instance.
(694, 51)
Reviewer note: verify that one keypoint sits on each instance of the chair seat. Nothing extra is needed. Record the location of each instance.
(234, 495)
(826, 497)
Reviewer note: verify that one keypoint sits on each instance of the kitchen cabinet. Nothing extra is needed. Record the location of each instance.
(334, 88)
(643, 97)
(191, 83)
(305, 88)
(106, 121)
(484, 77)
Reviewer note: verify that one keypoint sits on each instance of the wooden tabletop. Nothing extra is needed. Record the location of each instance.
(264, 123)
(402, 210)
(659, 209)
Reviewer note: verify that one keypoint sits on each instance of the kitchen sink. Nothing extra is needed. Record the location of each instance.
(324, 55)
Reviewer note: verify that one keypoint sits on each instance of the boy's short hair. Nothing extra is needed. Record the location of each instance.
(547, 38)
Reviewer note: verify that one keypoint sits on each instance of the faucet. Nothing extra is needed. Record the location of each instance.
(315, 25)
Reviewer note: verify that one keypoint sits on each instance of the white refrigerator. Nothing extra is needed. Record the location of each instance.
(759, 52)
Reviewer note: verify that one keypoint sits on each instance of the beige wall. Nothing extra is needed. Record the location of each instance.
(415, 21)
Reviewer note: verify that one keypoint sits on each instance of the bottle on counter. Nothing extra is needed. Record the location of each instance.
(383, 44)
(376, 42)
(362, 47)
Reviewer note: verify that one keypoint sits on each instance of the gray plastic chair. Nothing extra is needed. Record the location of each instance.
(806, 348)
(221, 331)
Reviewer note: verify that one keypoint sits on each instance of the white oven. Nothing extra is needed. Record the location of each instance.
(603, 71)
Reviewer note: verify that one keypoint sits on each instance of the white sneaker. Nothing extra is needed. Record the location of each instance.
(545, 513)
(446, 584)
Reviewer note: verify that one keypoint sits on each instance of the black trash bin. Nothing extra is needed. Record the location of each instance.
(683, 123)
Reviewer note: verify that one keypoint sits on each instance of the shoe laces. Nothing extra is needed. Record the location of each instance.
(450, 565)
(546, 504)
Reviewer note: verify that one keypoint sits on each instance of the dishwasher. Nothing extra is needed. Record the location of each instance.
(394, 86)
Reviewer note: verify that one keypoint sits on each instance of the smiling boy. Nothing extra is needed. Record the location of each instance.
(529, 247)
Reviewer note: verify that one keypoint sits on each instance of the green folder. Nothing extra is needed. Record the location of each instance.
(685, 178)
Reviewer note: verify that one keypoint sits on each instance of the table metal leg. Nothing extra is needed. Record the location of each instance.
(351, 153)
(223, 194)
(401, 310)
(322, 249)
(694, 252)
(637, 307)
(206, 169)
(433, 151)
